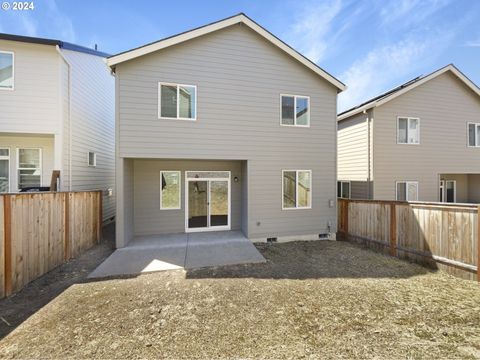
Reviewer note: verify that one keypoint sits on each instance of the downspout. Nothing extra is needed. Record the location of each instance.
(70, 171)
(368, 154)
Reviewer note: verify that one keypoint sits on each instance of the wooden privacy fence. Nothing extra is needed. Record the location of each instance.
(40, 231)
(444, 235)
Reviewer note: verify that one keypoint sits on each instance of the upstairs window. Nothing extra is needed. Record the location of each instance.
(177, 101)
(407, 190)
(6, 70)
(473, 134)
(408, 130)
(295, 110)
(343, 189)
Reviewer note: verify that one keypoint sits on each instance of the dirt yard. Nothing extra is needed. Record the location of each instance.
(311, 300)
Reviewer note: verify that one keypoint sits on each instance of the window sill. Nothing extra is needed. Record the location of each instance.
(181, 119)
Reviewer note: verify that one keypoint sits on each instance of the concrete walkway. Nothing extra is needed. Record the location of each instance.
(177, 251)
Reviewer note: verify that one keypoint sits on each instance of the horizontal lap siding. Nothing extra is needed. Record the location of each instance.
(93, 125)
(444, 106)
(239, 78)
(33, 106)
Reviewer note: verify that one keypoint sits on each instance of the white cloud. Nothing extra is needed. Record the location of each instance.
(29, 26)
(391, 64)
(473, 43)
(59, 22)
(404, 13)
(311, 32)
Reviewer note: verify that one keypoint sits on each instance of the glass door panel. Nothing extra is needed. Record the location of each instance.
(197, 204)
(218, 203)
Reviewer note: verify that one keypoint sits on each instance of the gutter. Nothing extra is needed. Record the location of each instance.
(57, 47)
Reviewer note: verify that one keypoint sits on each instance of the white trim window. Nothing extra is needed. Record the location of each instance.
(4, 170)
(92, 158)
(448, 191)
(406, 190)
(408, 130)
(343, 189)
(170, 190)
(473, 134)
(296, 189)
(294, 110)
(29, 167)
(7, 71)
(177, 101)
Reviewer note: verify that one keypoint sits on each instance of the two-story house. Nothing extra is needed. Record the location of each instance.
(57, 112)
(419, 141)
(224, 127)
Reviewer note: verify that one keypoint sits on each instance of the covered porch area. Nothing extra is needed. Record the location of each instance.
(459, 188)
(150, 253)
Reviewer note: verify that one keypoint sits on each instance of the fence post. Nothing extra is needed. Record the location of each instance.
(7, 221)
(66, 246)
(393, 230)
(100, 216)
(478, 244)
(345, 218)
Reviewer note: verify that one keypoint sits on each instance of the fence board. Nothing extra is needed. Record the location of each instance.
(35, 236)
(425, 232)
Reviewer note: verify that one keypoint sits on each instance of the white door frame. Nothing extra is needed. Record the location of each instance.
(445, 187)
(208, 180)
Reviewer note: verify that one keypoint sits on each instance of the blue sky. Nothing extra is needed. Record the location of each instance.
(370, 45)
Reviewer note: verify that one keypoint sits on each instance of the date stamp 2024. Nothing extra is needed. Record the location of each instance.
(18, 5)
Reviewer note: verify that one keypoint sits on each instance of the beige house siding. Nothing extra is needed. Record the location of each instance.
(444, 106)
(239, 78)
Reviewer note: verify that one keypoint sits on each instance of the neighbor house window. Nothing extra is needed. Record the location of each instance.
(92, 158)
(4, 169)
(474, 134)
(407, 190)
(297, 189)
(29, 168)
(6, 70)
(295, 110)
(408, 130)
(177, 101)
(170, 190)
(343, 189)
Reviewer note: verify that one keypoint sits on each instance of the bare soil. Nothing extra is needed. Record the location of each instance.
(310, 300)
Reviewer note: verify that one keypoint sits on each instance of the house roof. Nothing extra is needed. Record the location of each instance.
(52, 42)
(218, 25)
(409, 85)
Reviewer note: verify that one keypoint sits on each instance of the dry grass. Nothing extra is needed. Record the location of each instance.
(311, 299)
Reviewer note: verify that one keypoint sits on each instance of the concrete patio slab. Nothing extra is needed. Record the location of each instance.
(179, 251)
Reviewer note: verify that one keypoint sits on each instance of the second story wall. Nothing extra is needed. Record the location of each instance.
(444, 106)
(33, 105)
(239, 78)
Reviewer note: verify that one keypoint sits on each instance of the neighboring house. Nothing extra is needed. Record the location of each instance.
(57, 107)
(420, 141)
(224, 127)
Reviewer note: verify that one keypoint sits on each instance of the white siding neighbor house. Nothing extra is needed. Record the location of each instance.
(57, 112)
(420, 141)
(224, 127)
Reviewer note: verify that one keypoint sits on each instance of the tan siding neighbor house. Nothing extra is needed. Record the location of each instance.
(425, 141)
(224, 127)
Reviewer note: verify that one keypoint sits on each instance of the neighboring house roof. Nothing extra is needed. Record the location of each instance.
(402, 89)
(62, 44)
(221, 24)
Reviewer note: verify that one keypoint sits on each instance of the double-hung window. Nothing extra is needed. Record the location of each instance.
(473, 134)
(4, 170)
(296, 189)
(407, 190)
(177, 101)
(6, 70)
(343, 189)
(408, 130)
(29, 168)
(170, 190)
(295, 110)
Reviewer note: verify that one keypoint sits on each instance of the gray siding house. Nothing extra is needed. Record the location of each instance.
(57, 104)
(224, 127)
(420, 141)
